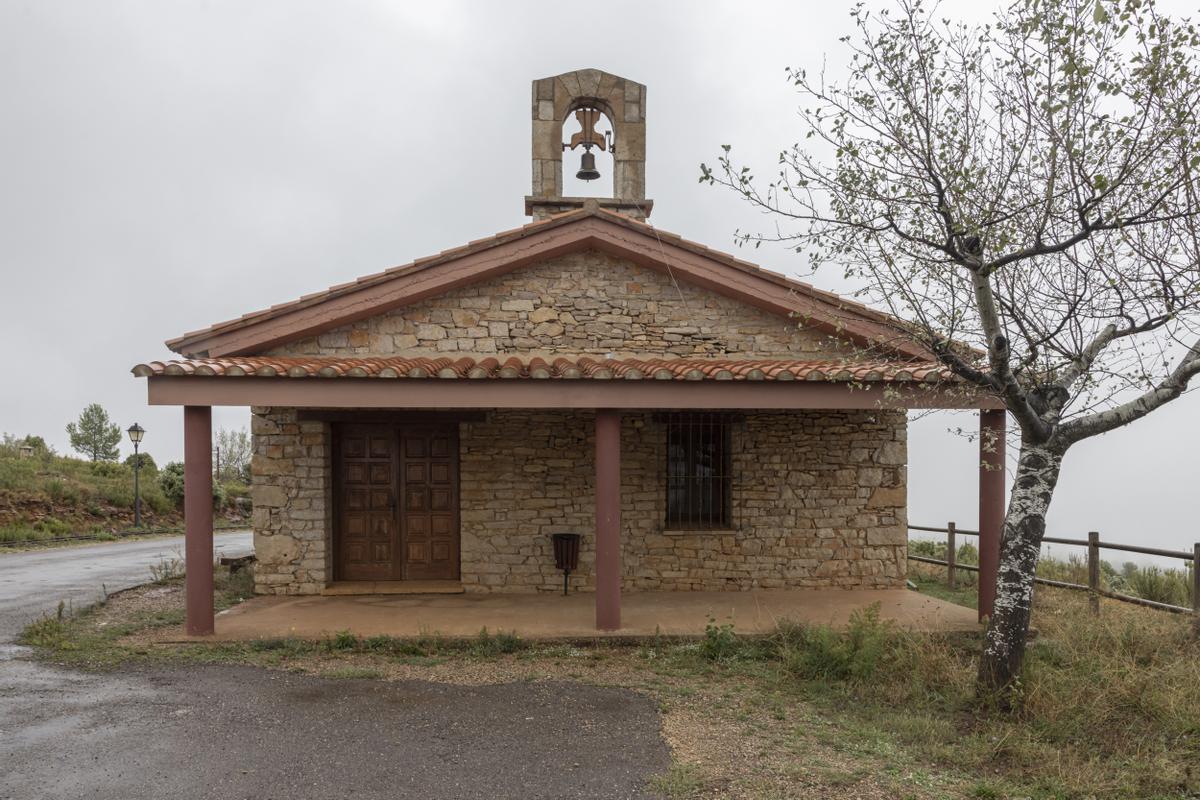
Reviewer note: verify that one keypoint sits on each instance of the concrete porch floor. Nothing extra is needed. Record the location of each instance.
(552, 616)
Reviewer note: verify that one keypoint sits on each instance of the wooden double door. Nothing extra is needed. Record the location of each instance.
(396, 502)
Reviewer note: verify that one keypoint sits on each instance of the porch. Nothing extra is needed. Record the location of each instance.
(326, 392)
(550, 617)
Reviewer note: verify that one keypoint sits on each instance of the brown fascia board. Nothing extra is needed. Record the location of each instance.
(325, 393)
(585, 229)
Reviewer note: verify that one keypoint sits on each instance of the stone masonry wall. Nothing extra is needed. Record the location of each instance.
(818, 499)
(586, 303)
(291, 490)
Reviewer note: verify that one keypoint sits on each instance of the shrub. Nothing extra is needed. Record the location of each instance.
(170, 480)
(17, 473)
(343, 640)
(1159, 585)
(167, 570)
(1073, 570)
(110, 469)
(488, 644)
(148, 465)
(154, 499)
(42, 530)
(49, 631)
(18, 532)
(853, 655)
(378, 644)
(53, 526)
(118, 494)
(927, 548)
(720, 643)
(62, 492)
(967, 553)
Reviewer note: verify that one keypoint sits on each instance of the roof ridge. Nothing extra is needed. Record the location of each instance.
(830, 310)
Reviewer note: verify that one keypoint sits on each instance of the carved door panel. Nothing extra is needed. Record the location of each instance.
(429, 502)
(367, 546)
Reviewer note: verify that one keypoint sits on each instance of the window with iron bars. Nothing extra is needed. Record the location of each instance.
(698, 471)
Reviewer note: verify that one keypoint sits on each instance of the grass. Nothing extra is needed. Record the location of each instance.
(74, 482)
(1110, 705)
(680, 782)
(53, 498)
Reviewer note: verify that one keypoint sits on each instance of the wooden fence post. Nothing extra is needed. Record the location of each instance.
(1093, 568)
(951, 554)
(1196, 586)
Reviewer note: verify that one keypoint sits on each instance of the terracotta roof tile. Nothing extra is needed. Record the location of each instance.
(468, 367)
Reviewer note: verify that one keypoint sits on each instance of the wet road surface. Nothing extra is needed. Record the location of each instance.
(243, 732)
(34, 581)
(195, 733)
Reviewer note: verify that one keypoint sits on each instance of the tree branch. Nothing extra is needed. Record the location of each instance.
(1164, 392)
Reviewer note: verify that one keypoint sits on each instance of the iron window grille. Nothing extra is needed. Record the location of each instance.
(698, 471)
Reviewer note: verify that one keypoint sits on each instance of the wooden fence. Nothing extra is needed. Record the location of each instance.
(1093, 546)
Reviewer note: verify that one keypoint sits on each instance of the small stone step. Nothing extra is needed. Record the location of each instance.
(343, 588)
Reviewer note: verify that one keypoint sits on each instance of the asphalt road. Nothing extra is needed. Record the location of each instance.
(33, 582)
(241, 732)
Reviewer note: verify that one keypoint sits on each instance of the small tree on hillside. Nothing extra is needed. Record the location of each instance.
(94, 435)
(1030, 188)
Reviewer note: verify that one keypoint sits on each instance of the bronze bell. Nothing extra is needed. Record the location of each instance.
(587, 167)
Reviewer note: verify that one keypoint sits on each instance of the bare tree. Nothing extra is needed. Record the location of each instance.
(1025, 195)
(231, 451)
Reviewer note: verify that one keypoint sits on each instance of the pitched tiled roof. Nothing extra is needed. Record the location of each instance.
(411, 282)
(582, 367)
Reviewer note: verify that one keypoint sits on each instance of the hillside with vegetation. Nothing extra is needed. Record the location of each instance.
(45, 496)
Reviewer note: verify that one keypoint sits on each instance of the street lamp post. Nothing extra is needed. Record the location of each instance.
(136, 432)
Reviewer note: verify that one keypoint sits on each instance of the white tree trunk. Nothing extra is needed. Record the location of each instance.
(1024, 527)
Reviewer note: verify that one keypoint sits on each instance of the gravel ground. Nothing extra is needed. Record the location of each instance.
(244, 732)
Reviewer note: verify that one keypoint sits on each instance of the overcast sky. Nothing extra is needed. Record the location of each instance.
(167, 165)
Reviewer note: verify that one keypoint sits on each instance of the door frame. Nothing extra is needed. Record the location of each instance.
(394, 423)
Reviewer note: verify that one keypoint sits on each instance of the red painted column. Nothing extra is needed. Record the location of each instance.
(991, 505)
(198, 518)
(608, 520)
